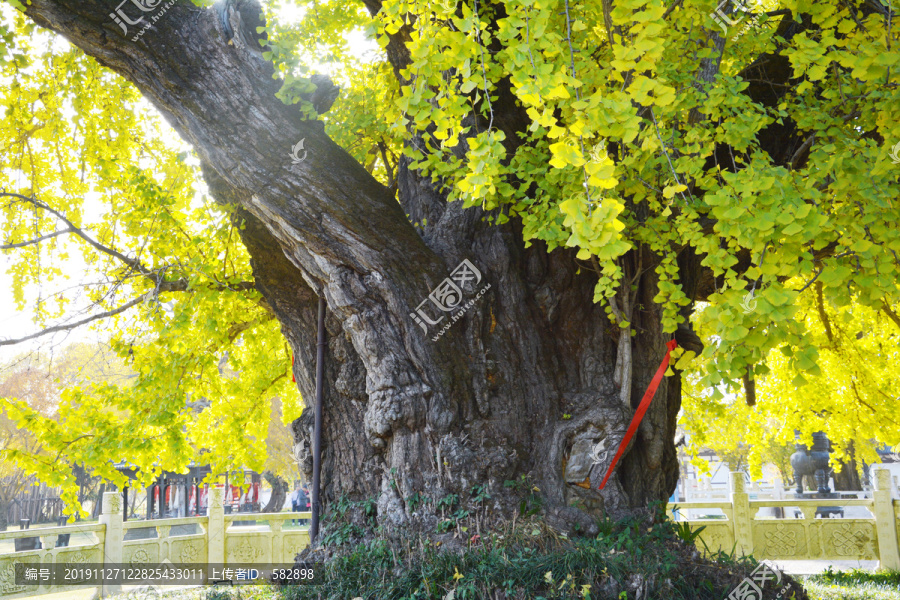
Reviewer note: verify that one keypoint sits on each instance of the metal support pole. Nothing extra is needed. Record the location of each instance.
(317, 428)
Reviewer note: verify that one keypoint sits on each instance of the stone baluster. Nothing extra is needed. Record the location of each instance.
(888, 549)
(113, 542)
(740, 503)
(216, 527)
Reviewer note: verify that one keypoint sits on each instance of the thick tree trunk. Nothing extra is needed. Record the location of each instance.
(848, 479)
(279, 493)
(98, 503)
(521, 384)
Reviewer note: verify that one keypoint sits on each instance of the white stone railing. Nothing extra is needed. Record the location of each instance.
(805, 538)
(217, 541)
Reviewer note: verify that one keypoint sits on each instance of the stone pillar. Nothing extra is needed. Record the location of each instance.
(277, 537)
(215, 532)
(740, 505)
(111, 516)
(888, 550)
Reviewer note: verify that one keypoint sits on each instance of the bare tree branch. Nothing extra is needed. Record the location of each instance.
(70, 326)
(890, 313)
(37, 240)
(671, 8)
(154, 275)
(131, 262)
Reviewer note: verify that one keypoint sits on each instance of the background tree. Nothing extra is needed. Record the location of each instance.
(31, 385)
(281, 466)
(850, 395)
(36, 380)
(604, 166)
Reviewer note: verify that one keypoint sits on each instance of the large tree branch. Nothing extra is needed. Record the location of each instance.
(206, 86)
(890, 313)
(341, 228)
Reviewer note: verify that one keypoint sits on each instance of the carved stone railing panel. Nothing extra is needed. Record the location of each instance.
(846, 539)
(779, 539)
(248, 548)
(47, 557)
(807, 537)
(716, 536)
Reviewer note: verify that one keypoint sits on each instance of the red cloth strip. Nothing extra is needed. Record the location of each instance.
(641, 409)
(293, 378)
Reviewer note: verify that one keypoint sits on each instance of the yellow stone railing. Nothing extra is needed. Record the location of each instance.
(805, 538)
(218, 541)
(215, 541)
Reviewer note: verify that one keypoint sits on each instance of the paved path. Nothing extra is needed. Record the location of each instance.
(75, 594)
(77, 538)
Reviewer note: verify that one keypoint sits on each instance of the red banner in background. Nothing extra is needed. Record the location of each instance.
(641, 409)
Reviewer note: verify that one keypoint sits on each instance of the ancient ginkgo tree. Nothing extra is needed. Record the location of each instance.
(510, 211)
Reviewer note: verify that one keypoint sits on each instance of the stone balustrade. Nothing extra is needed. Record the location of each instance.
(806, 538)
(213, 539)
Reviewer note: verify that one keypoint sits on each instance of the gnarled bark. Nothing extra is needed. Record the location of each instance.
(522, 383)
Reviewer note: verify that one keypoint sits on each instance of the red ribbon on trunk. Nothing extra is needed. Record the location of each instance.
(293, 378)
(641, 409)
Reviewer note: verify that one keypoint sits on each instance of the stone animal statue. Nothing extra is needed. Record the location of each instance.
(812, 463)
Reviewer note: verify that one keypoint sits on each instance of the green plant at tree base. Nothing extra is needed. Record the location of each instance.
(448, 502)
(223, 593)
(686, 534)
(549, 566)
(414, 501)
(338, 529)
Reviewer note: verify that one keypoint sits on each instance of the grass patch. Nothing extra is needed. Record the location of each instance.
(831, 585)
(854, 585)
(207, 592)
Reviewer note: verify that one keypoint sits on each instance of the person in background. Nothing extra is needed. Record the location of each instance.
(295, 500)
(303, 502)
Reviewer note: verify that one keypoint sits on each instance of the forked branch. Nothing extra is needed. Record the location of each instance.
(131, 262)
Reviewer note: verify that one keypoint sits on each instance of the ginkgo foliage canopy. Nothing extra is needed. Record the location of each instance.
(664, 159)
(85, 155)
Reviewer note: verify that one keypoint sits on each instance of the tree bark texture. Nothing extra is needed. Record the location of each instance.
(522, 384)
(848, 479)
